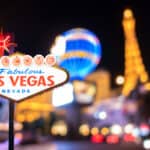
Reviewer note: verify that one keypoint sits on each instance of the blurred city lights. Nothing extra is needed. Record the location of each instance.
(112, 115)
(128, 128)
(144, 129)
(5, 126)
(116, 129)
(147, 86)
(132, 55)
(84, 91)
(97, 138)
(119, 80)
(102, 115)
(94, 131)
(129, 138)
(84, 130)
(146, 144)
(112, 139)
(136, 132)
(59, 128)
(62, 95)
(105, 131)
(128, 13)
(19, 136)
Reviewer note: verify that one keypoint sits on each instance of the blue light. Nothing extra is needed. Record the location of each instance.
(82, 53)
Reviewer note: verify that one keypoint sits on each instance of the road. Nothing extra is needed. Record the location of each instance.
(75, 146)
(79, 146)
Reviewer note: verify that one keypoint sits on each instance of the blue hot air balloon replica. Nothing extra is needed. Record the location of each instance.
(79, 52)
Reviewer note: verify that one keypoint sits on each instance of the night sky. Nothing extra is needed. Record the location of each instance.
(36, 24)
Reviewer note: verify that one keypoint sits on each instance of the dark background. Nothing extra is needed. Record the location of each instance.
(36, 24)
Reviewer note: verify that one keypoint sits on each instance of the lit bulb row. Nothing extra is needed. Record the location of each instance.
(27, 60)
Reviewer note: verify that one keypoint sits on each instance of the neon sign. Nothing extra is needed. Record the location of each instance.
(24, 76)
(5, 43)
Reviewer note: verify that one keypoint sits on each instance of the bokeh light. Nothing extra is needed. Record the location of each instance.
(84, 130)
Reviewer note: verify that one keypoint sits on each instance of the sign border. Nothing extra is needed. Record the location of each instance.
(23, 99)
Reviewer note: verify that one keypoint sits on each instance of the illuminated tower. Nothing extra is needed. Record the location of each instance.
(134, 67)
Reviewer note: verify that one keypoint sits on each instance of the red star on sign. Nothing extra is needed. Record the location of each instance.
(5, 43)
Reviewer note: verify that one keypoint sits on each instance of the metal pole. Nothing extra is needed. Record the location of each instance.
(11, 125)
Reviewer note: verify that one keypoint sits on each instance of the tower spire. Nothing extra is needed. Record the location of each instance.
(134, 67)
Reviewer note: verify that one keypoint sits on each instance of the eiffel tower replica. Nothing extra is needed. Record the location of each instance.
(134, 68)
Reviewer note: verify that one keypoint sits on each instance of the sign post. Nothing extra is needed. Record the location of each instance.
(24, 76)
(11, 125)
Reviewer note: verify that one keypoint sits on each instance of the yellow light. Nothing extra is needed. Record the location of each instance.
(63, 130)
(94, 131)
(20, 118)
(30, 118)
(84, 130)
(134, 67)
(59, 128)
(147, 86)
(5, 126)
(18, 126)
(128, 13)
(144, 77)
(80, 54)
(104, 131)
(119, 80)
(54, 130)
